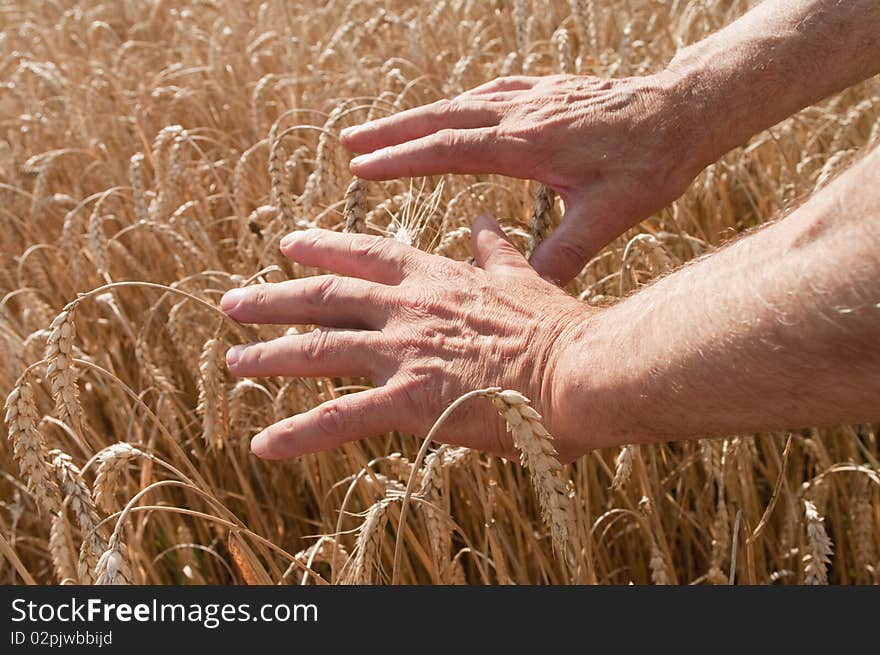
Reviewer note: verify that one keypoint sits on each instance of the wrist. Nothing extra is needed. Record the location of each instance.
(691, 91)
(587, 393)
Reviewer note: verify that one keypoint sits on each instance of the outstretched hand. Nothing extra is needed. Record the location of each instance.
(615, 150)
(424, 328)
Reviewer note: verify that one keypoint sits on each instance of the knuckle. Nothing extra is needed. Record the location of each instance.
(408, 390)
(378, 248)
(285, 429)
(329, 419)
(325, 288)
(316, 346)
(360, 246)
(376, 297)
(447, 138)
(370, 247)
(459, 103)
(250, 358)
(509, 81)
(443, 106)
(572, 251)
(455, 269)
(408, 394)
(424, 301)
(312, 236)
(260, 298)
(259, 356)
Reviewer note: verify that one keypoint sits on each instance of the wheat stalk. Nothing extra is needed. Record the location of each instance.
(202, 208)
(188, 564)
(521, 28)
(862, 521)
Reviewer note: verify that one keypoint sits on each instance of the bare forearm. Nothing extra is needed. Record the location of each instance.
(780, 57)
(780, 330)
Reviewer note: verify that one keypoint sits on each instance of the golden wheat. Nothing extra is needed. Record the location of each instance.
(161, 143)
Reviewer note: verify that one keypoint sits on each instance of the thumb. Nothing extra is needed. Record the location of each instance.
(492, 250)
(583, 231)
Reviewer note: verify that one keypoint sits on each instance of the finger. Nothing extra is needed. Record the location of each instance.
(446, 151)
(320, 353)
(501, 96)
(510, 83)
(347, 418)
(493, 251)
(416, 123)
(327, 300)
(363, 256)
(585, 229)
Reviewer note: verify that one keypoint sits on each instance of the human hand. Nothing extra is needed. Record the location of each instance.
(615, 150)
(424, 328)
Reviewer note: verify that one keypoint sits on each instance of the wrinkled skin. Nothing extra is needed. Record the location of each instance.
(615, 150)
(424, 328)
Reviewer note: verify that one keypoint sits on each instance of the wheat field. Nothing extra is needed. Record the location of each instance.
(153, 153)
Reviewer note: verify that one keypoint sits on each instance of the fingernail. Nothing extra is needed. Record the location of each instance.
(233, 355)
(231, 298)
(259, 444)
(350, 131)
(286, 241)
(360, 160)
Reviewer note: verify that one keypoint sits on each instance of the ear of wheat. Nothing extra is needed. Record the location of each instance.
(29, 447)
(658, 565)
(62, 550)
(819, 546)
(280, 193)
(721, 539)
(326, 550)
(62, 374)
(79, 500)
(563, 47)
(369, 542)
(211, 395)
(542, 216)
(112, 462)
(539, 456)
(112, 567)
(623, 468)
(436, 515)
(190, 183)
(355, 211)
